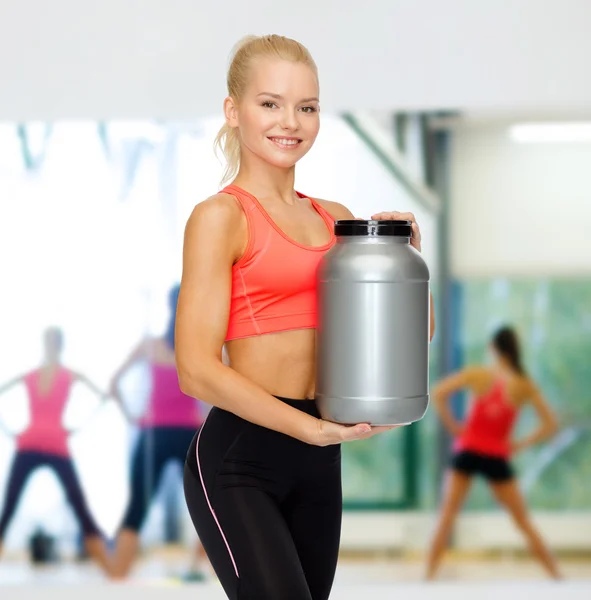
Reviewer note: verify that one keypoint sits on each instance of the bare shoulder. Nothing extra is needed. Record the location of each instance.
(478, 376)
(73, 373)
(335, 210)
(217, 222)
(220, 209)
(529, 386)
(477, 372)
(151, 345)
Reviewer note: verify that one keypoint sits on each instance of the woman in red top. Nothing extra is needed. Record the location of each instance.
(483, 444)
(262, 477)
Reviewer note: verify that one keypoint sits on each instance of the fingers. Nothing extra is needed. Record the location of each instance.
(416, 236)
(356, 432)
(382, 428)
(379, 429)
(394, 216)
(333, 433)
(387, 216)
(364, 432)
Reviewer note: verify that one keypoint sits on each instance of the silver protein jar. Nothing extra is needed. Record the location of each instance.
(372, 363)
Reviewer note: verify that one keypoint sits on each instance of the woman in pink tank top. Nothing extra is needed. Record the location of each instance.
(483, 444)
(167, 426)
(44, 442)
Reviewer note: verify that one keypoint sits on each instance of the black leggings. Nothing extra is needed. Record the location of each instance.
(266, 507)
(155, 448)
(23, 465)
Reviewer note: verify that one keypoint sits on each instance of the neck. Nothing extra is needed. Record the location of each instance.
(51, 363)
(264, 180)
(504, 367)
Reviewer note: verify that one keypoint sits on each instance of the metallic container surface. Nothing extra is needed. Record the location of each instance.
(373, 332)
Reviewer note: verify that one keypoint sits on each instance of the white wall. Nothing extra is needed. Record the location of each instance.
(155, 58)
(474, 531)
(519, 209)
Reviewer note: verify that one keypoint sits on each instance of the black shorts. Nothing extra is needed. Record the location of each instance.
(491, 468)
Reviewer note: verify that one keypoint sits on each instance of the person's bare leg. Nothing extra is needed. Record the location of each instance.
(509, 496)
(126, 551)
(97, 550)
(456, 489)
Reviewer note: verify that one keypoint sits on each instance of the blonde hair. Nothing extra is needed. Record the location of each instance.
(245, 52)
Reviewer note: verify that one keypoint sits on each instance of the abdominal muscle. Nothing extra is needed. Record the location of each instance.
(282, 363)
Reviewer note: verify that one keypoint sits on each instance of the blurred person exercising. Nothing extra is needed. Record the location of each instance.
(263, 476)
(483, 444)
(44, 443)
(167, 427)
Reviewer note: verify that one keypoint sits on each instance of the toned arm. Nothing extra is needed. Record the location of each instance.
(214, 239)
(444, 389)
(548, 422)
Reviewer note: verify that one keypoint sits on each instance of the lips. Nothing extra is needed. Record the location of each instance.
(285, 142)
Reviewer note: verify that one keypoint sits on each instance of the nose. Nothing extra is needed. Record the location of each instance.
(289, 120)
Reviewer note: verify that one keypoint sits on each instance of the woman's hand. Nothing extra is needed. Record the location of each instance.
(329, 433)
(415, 239)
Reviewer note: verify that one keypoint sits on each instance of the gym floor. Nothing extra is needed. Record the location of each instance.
(160, 575)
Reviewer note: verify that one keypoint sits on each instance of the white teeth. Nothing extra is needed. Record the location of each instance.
(285, 142)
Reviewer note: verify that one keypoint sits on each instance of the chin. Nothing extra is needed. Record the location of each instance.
(284, 160)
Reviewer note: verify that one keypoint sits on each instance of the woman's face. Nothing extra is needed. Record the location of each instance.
(278, 117)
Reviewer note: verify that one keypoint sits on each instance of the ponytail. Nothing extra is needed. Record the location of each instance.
(506, 343)
(228, 142)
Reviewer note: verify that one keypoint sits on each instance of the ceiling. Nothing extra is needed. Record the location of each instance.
(149, 58)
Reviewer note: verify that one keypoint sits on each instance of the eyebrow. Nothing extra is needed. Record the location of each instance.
(279, 97)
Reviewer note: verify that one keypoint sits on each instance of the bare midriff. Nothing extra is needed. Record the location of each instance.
(282, 363)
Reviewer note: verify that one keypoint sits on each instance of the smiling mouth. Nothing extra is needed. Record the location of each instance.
(284, 142)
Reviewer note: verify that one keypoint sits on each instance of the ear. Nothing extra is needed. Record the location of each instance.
(231, 112)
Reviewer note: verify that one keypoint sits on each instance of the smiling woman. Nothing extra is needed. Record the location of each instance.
(264, 471)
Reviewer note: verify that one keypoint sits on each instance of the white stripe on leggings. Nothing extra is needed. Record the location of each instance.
(209, 503)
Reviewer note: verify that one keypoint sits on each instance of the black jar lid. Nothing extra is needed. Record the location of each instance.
(373, 228)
